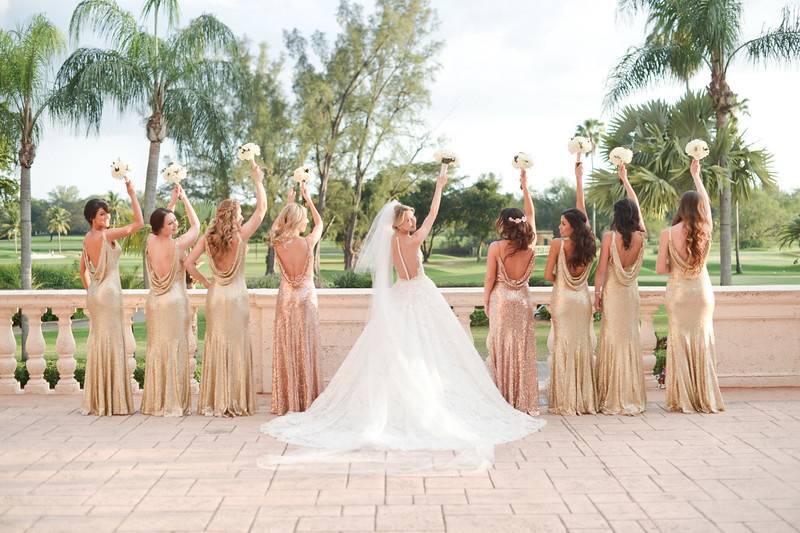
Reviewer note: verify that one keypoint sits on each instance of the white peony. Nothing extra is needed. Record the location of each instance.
(445, 157)
(620, 156)
(119, 170)
(174, 173)
(302, 174)
(579, 144)
(521, 160)
(697, 148)
(249, 151)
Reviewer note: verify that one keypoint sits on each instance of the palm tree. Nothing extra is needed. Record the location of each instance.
(592, 129)
(172, 73)
(58, 222)
(790, 233)
(689, 36)
(26, 93)
(660, 170)
(9, 224)
(115, 205)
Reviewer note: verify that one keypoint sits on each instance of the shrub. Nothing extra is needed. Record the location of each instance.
(542, 312)
(56, 278)
(350, 279)
(478, 318)
(271, 281)
(10, 277)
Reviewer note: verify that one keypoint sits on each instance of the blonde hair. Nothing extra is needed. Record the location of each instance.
(286, 223)
(223, 230)
(400, 214)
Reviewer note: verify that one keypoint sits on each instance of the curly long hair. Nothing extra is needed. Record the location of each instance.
(519, 233)
(626, 220)
(698, 238)
(223, 230)
(582, 237)
(286, 223)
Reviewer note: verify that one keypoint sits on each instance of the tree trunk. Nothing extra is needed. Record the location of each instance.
(270, 261)
(59, 235)
(156, 133)
(321, 200)
(26, 155)
(738, 262)
(480, 249)
(724, 210)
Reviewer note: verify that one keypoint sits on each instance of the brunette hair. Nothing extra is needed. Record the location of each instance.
(157, 219)
(626, 220)
(92, 207)
(583, 238)
(519, 233)
(696, 223)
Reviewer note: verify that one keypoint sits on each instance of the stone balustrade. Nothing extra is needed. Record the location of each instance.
(757, 331)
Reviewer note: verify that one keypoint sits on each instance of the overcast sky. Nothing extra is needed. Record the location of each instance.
(516, 75)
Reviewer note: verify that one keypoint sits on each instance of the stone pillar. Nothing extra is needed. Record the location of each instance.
(130, 345)
(648, 338)
(8, 349)
(65, 347)
(194, 385)
(35, 346)
(463, 313)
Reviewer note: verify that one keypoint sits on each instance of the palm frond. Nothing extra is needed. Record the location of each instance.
(790, 233)
(152, 7)
(780, 44)
(203, 36)
(105, 18)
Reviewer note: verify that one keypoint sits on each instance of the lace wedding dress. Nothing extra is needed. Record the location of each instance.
(412, 381)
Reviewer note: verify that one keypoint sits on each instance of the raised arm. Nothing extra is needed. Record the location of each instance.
(316, 233)
(112, 234)
(491, 276)
(190, 263)
(252, 224)
(623, 176)
(173, 200)
(701, 189)
(602, 268)
(188, 238)
(528, 201)
(427, 224)
(580, 202)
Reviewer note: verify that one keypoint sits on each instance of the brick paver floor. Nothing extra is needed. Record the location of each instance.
(736, 471)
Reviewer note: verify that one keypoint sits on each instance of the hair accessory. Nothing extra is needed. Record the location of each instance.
(519, 220)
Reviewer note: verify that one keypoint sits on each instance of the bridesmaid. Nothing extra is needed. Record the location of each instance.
(295, 349)
(568, 265)
(107, 386)
(167, 375)
(682, 251)
(227, 387)
(511, 341)
(618, 371)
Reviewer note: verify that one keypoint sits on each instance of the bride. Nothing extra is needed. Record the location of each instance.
(413, 380)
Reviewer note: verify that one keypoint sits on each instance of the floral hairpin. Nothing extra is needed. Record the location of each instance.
(519, 220)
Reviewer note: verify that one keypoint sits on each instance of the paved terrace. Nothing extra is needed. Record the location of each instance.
(735, 472)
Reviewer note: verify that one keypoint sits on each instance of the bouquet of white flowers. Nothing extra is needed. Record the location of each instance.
(249, 151)
(697, 148)
(119, 170)
(302, 174)
(445, 157)
(521, 161)
(174, 173)
(579, 145)
(620, 156)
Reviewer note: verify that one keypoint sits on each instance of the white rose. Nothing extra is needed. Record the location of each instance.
(174, 173)
(697, 148)
(119, 169)
(521, 160)
(302, 174)
(445, 157)
(249, 151)
(579, 144)
(620, 156)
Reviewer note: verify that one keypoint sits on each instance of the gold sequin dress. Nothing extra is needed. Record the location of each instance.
(107, 386)
(571, 383)
(618, 372)
(295, 373)
(691, 379)
(166, 372)
(227, 387)
(511, 341)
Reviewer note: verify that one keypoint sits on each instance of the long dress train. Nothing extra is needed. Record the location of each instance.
(166, 373)
(295, 373)
(691, 369)
(107, 386)
(619, 376)
(227, 387)
(512, 340)
(571, 381)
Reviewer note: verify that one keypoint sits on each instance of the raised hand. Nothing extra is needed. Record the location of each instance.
(304, 192)
(176, 194)
(523, 179)
(441, 180)
(290, 197)
(694, 168)
(622, 172)
(129, 186)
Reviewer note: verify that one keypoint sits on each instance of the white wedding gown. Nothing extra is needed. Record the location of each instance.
(412, 381)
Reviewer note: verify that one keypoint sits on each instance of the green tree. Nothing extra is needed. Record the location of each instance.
(790, 233)
(172, 73)
(686, 37)
(479, 205)
(58, 222)
(592, 129)
(10, 227)
(26, 94)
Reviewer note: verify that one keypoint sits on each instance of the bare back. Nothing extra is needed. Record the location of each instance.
(293, 255)
(224, 261)
(569, 250)
(629, 256)
(160, 255)
(515, 262)
(678, 236)
(406, 265)
(93, 245)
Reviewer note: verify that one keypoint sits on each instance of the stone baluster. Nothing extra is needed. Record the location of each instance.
(35, 346)
(193, 383)
(65, 347)
(130, 345)
(8, 350)
(648, 338)
(462, 313)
